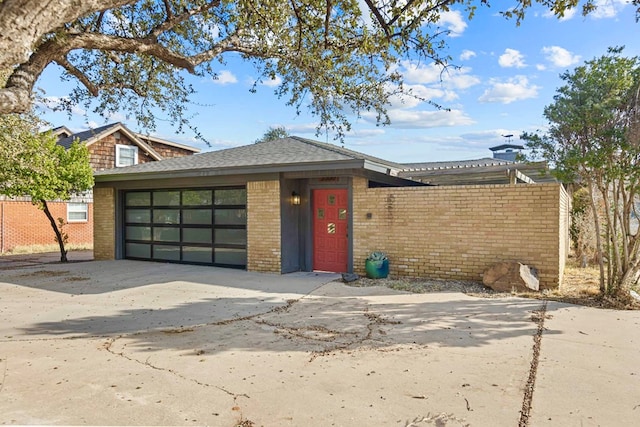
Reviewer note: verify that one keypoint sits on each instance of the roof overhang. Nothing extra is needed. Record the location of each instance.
(119, 127)
(166, 142)
(327, 166)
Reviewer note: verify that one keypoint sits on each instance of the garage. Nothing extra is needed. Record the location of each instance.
(205, 226)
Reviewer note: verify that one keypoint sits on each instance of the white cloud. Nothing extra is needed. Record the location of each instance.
(366, 14)
(415, 96)
(301, 128)
(453, 78)
(273, 82)
(417, 73)
(491, 135)
(514, 89)
(58, 103)
(559, 56)
(116, 117)
(541, 67)
(225, 77)
(608, 8)
(460, 79)
(420, 119)
(568, 14)
(454, 22)
(511, 58)
(364, 133)
(467, 55)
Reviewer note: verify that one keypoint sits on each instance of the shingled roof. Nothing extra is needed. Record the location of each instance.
(284, 154)
(90, 136)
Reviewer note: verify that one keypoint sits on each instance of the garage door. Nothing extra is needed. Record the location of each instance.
(193, 226)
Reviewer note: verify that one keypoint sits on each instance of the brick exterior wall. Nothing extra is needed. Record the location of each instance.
(104, 230)
(263, 226)
(564, 222)
(23, 224)
(458, 232)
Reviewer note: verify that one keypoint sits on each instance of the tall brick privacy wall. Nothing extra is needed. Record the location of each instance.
(263, 226)
(104, 230)
(565, 239)
(23, 224)
(458, 232)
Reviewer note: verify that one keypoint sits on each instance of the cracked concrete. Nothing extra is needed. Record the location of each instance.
(138, 343)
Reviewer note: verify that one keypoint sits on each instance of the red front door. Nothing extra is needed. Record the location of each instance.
(330, 230)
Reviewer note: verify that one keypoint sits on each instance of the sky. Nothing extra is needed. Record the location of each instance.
(507, 74)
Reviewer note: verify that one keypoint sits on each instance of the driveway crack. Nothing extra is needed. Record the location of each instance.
(537, 317)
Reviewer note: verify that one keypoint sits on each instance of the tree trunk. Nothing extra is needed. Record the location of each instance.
(25, 22)
(59, 238)
(596, 223)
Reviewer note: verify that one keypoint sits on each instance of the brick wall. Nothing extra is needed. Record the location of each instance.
(565, 238)
(458, 232)
(104, 230)
(23, 224)
(263, 226)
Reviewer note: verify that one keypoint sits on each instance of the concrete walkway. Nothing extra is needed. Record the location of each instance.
(125, 342)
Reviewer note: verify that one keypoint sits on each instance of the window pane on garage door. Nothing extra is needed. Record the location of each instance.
(231, 256)
(137, 250)
(203, 226)
(231, 216)
(197, 216)
(197, 197)
(168, 253)
(197, 254)
(196, 235)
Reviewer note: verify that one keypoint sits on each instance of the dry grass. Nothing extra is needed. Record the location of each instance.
(38, 249)
(580, 286)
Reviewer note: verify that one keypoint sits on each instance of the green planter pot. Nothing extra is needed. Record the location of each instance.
(377, 269)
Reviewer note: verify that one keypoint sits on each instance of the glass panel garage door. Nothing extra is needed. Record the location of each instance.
(194, 226)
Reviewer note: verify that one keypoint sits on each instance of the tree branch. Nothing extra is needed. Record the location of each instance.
(25, 22)
(379, 18)
(71, 69)
(173, 20)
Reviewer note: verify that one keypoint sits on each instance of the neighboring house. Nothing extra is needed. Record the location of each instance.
(502, 168)
(110, 146)
(295, 204)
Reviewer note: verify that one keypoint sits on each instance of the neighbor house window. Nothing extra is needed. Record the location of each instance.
(77, 212)
(126, 155)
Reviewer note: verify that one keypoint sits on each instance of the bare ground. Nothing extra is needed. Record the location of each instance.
(580, 286)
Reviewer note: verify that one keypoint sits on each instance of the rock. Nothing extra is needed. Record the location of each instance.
(349, 277)
(511, 276)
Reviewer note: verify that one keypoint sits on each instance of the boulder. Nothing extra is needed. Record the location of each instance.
(349, 277)
(511, 276)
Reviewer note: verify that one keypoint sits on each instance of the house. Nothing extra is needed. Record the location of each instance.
(503, 168)
(295, 204)
(110, 146)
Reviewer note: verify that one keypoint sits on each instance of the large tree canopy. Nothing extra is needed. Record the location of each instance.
(593, 139)
(336, 56)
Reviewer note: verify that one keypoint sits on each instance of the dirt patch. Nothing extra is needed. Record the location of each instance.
(423, 286)
(580, 286)
(44, 273)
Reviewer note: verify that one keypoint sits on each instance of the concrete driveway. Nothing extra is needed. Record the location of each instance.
(125, 342)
